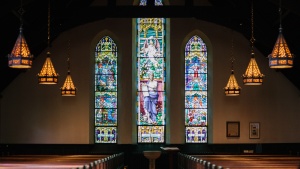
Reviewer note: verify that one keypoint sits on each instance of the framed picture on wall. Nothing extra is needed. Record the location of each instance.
(254, 132)
(233, 129)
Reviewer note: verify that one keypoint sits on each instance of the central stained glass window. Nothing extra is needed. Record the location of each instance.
(151, 80)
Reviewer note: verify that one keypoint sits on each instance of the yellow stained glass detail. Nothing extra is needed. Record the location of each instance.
(20, 56)
(253, 75)
(48, 74)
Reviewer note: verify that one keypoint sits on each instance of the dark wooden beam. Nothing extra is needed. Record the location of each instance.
(147, 11)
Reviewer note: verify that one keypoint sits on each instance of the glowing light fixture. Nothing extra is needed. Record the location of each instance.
(281, 56)
(232, 88)
(252, 75)
(20, 56)
(68, 88)
(48, 75)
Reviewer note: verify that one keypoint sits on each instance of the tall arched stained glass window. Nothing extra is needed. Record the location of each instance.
(106, 91)
(195, 91)
(151, 74)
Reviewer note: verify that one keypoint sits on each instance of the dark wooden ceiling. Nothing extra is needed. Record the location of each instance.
(65, 14)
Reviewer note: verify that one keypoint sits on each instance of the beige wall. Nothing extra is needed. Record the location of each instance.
(33, 113)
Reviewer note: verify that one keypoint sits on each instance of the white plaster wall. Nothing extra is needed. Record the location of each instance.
(33, 113)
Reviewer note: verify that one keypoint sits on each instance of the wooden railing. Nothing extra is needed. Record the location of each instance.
(186, 161)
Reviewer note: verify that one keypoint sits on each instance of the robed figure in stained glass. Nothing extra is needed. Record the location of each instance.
(150, 99)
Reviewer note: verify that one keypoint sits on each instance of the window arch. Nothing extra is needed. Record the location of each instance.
(195, 91)
(106, 91)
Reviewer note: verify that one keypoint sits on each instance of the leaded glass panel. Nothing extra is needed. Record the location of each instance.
(196, 134)
(151, 79)
(195, 117)
(106, 134)
(196, 91)
(106, 87)
(151, 134)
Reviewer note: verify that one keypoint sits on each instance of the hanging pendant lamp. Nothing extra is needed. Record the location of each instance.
(281, 56)
(232, 88)
(252, 75)
(68, 88)
(20, 56)
(48, 75)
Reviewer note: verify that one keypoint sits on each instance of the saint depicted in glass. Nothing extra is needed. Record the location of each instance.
(196, 91)
(106, 91)
(151, 79)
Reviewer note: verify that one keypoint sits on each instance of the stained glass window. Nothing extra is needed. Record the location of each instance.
(156, 3)
(195, 91)
(106, 91)
(151, 80)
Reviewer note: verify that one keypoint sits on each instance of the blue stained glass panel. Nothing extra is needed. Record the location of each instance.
(106, 83)
(146, 118)
(106, 86)
(106, 117)
(106, 99)
(196, 134)
(196, 99)
(196, 90)
(194, 65)
(143, 2)
(195, 117)
(106, 64)
(106, 134)
(196, 81)
(157, 3)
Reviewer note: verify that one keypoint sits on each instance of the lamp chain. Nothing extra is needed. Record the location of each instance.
(280, 13)
(252, 30)
(49, 24)
(232, 56)
(21, 12)
(68, 59)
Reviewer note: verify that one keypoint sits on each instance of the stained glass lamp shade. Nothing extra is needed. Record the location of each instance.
(252, 75)
(20, 56)
(68, 88)
(48, 75)
(232, 88)
(281, 56)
